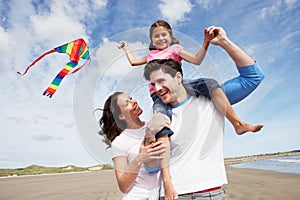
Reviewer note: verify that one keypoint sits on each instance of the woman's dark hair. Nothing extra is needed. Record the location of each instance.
(169, 66)
(110, 124)
(165, 25)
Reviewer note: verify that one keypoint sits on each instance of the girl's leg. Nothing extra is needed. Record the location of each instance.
(210, 89)
(200, 87)
(223, 105)
(240, 87)
(166, 109)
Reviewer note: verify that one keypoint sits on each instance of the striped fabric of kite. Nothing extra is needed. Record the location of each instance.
(77, 50)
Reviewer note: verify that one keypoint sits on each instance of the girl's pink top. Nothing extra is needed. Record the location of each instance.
(172, 51)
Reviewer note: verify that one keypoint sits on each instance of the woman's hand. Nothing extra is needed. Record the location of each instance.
(151, 152)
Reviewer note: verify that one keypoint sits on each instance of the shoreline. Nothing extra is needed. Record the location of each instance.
(243, 159)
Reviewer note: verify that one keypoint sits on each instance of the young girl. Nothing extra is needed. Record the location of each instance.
(164, 46)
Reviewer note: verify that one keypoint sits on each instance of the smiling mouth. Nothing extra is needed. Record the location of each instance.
(163, 94)
(136, 107)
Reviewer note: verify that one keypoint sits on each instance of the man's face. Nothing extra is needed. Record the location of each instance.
(166, 87)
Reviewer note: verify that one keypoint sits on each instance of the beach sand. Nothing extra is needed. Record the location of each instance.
(245, 184)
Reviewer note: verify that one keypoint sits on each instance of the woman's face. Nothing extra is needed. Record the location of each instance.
(130, 110)
(161, 37)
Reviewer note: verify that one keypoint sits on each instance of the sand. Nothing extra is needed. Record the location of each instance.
(245, 184)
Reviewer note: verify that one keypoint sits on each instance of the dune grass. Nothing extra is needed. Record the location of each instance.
(36, 169)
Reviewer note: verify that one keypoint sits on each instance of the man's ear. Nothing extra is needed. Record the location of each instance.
(178, 77)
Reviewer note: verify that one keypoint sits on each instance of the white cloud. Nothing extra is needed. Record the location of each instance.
(45, 137)
(175, 11)
(290, 3)
(98, 3)
(207, 4)
(271, 10)
(286, 40)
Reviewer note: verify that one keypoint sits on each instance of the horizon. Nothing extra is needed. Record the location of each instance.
(285, 153)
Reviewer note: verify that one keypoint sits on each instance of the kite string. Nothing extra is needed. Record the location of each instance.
(36, 60)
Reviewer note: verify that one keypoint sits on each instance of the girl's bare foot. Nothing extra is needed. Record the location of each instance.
(242, 128)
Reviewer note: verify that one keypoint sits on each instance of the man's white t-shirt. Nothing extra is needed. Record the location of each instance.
(197, 161)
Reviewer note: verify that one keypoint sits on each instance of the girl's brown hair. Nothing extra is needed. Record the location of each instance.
(165, 25)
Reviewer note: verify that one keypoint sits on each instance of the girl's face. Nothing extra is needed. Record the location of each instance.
(161, 37)
(130, 110)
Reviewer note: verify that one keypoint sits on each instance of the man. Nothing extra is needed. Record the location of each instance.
(197, 163)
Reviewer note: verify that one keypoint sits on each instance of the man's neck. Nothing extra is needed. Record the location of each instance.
(181, 95)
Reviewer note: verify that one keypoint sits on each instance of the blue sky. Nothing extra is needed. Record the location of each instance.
(63, 130)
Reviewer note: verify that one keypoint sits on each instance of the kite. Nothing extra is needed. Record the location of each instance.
(76, 49)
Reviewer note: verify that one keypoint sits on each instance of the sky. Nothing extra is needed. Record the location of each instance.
(63, 130)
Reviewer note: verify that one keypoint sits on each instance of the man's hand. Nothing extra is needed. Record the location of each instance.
(218, 35)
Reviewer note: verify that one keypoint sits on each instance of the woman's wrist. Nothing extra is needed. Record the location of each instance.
(149, 136)
(148, 140)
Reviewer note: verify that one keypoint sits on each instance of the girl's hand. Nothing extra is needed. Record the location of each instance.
(123, 45)
(218, 33)
(208, 36)
(158, 122)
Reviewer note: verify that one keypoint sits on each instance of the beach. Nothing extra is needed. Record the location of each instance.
(243, 184)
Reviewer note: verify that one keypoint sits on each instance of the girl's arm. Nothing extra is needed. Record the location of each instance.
(126, 173)
(198, 58)
(133, 60)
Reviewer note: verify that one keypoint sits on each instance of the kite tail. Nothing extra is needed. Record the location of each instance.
(76, 70)
(57, 80)
(36, 60)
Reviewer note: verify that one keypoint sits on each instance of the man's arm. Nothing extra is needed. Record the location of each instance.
(240, 57)
(170, 192)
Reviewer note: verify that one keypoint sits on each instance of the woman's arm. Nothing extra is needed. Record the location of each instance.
(126, 173)
(197, 59)
(133, 60)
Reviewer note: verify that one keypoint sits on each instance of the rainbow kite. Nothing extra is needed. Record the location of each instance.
(77, 49)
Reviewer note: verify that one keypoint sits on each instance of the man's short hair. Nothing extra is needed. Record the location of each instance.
(169, 66)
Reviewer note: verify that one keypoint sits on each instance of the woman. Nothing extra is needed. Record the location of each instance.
(135, 154)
